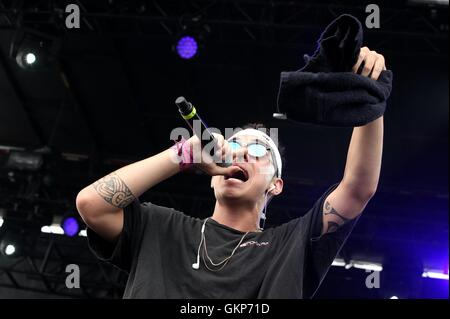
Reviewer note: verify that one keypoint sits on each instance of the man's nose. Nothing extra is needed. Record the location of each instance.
(241, 155)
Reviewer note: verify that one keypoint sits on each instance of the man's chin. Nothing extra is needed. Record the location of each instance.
(234, 190)
(232, 194)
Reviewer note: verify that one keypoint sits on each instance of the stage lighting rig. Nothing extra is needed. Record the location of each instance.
(190, 40)
(32, 51)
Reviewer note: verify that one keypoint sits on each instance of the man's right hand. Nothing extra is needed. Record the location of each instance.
(222, 154)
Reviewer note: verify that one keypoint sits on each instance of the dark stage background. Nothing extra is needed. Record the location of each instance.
(106, 98)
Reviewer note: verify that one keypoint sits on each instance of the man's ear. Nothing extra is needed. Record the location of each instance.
(278, 183)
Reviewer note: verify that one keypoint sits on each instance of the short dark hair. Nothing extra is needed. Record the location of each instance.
(281, 148)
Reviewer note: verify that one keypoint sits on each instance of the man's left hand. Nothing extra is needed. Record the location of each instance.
(373, 63)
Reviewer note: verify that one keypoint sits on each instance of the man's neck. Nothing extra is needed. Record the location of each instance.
(239, 217)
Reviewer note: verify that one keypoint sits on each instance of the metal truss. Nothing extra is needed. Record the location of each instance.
(43, 270)
(403, 29)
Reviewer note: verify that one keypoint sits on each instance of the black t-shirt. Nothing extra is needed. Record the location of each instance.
(158, 246)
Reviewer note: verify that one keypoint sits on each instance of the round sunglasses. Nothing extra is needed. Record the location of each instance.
(254, 149)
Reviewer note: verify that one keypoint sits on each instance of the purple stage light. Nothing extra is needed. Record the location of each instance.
(187, 47)
(435, 275)
(70, 226)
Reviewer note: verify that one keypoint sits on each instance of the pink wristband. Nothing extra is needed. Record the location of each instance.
(184, 151)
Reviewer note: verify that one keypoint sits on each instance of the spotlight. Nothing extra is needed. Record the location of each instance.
(26, 59)
(191, 38)
(394, 297)
(435, 274)
(70, 225)
(52, 229)
(187, 47)
(367, 265)
(30, 58)
(33, 51)
(9, 245)
(10, 249)
(20, 229)
(339, 262)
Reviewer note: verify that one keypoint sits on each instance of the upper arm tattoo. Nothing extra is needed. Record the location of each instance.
(113, 190)
(338, 219)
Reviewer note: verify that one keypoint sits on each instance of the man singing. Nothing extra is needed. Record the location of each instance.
(168, 254)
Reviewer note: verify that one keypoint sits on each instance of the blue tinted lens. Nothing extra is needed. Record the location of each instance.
(257, 150)
(234, 146)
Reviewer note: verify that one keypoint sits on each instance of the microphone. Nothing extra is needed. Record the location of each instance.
(189, 114)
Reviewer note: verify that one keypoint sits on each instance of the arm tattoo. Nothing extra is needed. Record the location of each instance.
(331, 211)
(113, 190)
(332, 226)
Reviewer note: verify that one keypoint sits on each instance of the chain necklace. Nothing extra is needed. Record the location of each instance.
(224, 262)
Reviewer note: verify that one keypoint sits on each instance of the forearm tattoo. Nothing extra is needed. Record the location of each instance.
(113, 190)
(333, 225)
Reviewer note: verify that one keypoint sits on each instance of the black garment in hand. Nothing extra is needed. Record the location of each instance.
(325, 91)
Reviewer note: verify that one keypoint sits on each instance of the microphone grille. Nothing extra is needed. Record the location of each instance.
(183, 105)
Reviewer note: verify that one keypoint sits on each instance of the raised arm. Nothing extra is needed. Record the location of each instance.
(363, 165)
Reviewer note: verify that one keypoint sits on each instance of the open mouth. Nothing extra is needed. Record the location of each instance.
(241, 175)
